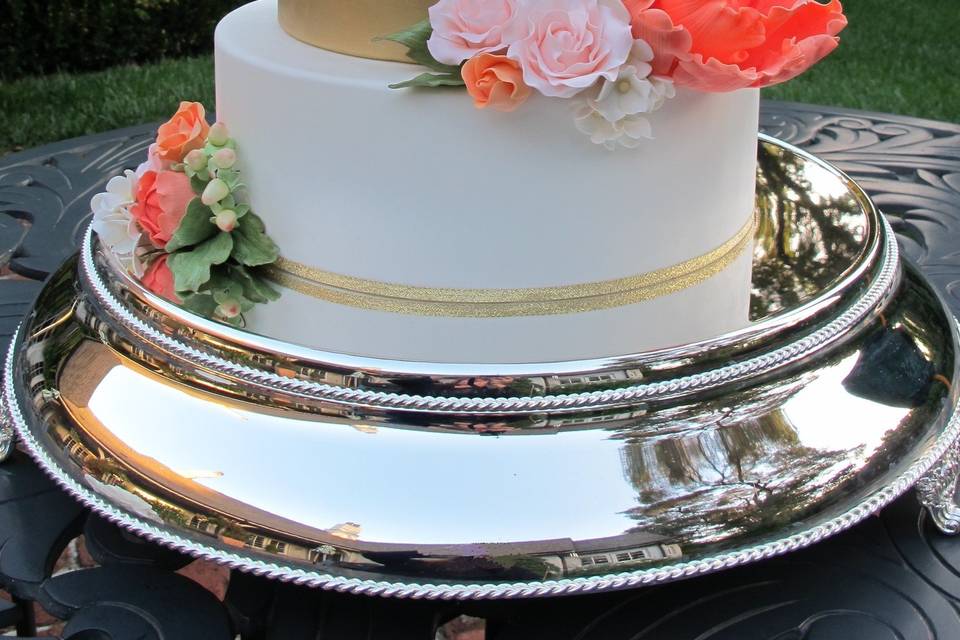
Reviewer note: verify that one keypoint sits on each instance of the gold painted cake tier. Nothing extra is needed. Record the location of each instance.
(352, 26)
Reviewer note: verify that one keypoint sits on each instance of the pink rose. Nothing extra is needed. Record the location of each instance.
(162, 199)
(465, 28)
(159, 279)
(565, 46)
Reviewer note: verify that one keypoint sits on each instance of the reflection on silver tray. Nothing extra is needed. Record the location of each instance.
(467, 481)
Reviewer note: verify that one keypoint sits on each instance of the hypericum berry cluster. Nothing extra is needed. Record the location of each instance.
(180, 225)
(214, 165)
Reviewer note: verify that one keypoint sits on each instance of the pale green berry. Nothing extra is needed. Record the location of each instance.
(226, 220)
(218, 135)
(229, 309)
(224, 158)
(215, 191)
(196, 160)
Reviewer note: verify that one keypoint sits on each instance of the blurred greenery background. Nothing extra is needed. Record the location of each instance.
(896, 56)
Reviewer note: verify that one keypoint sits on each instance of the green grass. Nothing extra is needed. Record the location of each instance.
(37, 110)
(897, 57)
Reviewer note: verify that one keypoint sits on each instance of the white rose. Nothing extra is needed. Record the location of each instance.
(113, 223)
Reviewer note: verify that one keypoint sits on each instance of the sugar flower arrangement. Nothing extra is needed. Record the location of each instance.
(619, 59)
(180, 225)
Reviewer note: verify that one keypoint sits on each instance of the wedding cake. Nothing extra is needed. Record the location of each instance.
(599, 202)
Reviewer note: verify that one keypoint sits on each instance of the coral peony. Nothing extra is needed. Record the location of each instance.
(185, 131)
(565, 46)
(159, 279)
(655, 27)
(737, 43)
(495, 81)
(162, 199)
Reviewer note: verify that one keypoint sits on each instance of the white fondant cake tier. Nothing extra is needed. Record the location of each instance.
(420, 188)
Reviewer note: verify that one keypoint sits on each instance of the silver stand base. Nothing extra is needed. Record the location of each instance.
(462, 481)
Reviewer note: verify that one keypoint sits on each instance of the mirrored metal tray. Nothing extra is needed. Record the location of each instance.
(494, 481)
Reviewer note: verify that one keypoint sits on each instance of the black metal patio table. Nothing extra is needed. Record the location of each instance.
(892, 577)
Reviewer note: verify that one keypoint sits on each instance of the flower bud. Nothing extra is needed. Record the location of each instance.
(225, 158)
(215, 191)
(196, 160)
(226, 220)
(229, 309)
(218, 135)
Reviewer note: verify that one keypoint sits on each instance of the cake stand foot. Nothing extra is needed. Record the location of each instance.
(938, 491)
(6, 439)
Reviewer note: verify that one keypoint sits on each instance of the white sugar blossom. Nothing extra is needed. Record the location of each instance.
(616, 113)
(634, 90)
(629, 131)
(114, 224)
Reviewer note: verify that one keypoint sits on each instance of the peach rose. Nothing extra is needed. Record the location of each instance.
(495, 81)
(159, 279)
(185, 131)
(565, 46)
(465, 28)
(161, 202)
(751, 43)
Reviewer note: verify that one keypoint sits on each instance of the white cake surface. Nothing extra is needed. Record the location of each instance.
(420, 188)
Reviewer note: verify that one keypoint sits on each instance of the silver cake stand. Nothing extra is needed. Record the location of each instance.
(457, 481)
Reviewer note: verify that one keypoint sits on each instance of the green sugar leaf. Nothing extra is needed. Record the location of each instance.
(231, 177)
(431, 80)
(255, 287)
(251, 246)
(222, 286)
(195, 227)
(201, 304)
(191, 269)
(415, 40)
(198, 184)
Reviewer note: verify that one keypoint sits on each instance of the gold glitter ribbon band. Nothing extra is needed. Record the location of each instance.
(501, 303)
